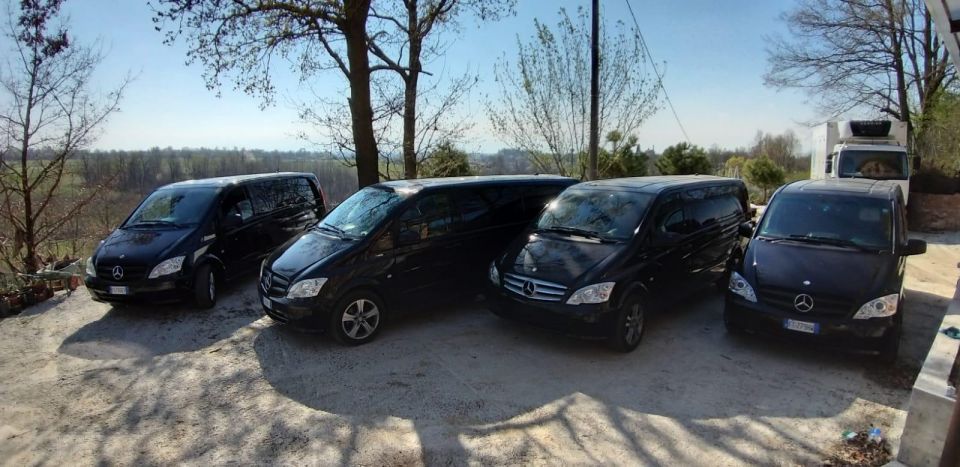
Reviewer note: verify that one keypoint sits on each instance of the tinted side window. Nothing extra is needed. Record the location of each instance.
(236, 201)
(263, 196)
(672, 220)
(431, 216)
(729, 206)
(475, 209)
(536, 198)
(507, 205)
(305, 190)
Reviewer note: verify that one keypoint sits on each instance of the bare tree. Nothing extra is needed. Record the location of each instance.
(543, 106)
(781, 149)
(50, 115)
(240, 39)
(882, 56)
(410, 119)
(436, 120)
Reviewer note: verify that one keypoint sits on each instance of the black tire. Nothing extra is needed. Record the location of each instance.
(357, 317)
(630, 325)
(890, 347)
(205, 287)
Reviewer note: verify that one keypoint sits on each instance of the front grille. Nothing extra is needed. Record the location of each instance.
(823, 305)
(542, 290)
(276, 286)
(131, 272)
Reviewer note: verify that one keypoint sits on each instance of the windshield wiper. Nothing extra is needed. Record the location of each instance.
(337, 230)
(153, 222)
(579, 232)
(830, 241)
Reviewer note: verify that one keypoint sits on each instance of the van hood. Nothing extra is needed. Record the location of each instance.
(304, 251)
(559, 258)
(832, 271)
(141, 246)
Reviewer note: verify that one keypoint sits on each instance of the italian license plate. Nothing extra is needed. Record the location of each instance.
(801, 326)
(266, 303)
(118, 290)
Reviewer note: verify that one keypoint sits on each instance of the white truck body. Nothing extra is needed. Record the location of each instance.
(861, 149)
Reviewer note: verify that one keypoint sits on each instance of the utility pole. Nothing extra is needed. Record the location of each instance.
(594, 92)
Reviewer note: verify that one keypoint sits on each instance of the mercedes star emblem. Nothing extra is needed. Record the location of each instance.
(117, 272)
(803, 303)
(529, 288)
(267, 280)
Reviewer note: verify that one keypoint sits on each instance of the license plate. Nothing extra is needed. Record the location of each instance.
(266, 303)
(801, 326)
(118, 290)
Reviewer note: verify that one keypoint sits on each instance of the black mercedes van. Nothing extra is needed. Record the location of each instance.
(397, 245)
(186, 238)
(603, 252)
(826, 262)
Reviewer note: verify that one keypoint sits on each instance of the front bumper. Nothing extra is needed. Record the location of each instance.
(161, 290)
(303, 313)
(839, 332)
(593, 321)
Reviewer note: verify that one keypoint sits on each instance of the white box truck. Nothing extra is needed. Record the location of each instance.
(875, 149)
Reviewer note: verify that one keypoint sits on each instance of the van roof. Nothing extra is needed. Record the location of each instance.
(659, 183)
(422, 183)
(863, 187)
(233, 179)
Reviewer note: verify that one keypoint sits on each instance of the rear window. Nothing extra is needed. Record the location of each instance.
(865, 222)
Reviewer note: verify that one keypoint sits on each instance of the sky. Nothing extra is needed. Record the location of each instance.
(712, 55)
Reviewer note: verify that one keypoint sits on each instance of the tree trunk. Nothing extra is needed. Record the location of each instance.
(897, 33)
(29, 234)
(361, 111)
(594, 92)
(410, 93)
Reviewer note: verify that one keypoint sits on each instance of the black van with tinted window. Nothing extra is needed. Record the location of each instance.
(604, 252)
(186, 238)
(397, 245)
(826, 264)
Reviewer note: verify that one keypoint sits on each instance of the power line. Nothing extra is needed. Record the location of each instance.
(646, 49)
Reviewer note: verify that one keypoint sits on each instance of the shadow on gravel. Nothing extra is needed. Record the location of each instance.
(462, 374)
(143, 331)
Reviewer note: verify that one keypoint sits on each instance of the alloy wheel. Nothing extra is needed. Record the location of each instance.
(360, 319)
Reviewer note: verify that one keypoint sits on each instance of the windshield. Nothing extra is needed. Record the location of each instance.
(606, 214)
(360, 213)
(173, 207)
(858, 222)
(877, 165)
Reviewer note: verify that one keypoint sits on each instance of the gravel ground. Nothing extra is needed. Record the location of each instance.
(81, 383)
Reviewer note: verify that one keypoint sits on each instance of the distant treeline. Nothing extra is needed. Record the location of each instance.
(139, 172)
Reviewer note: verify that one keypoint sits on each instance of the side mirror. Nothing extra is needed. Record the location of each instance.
(915, 247)
(745, 229)
(408, 237)
(829, 167)
(231, 221)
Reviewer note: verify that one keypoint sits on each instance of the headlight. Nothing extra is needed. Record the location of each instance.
(596, 293)
(306, 288)
(741, 287)
(494, 274)
(166, 267)
(91, 269)
(879, 307)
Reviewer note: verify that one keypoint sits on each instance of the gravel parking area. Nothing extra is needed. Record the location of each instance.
(81, 383)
